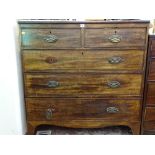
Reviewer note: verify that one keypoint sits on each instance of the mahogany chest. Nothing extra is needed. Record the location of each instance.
(149, 99)
(87, 74)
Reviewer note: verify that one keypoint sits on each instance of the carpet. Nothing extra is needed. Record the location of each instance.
(52, 130)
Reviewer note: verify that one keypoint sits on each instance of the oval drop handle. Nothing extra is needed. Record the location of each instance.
(115, 60)
(53, 84)
(114, 84)
(112, 110)
(48, 114)
(51, 38)
(115, 38)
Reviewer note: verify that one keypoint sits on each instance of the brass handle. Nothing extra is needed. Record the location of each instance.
(49, 113)
(53, 84)
(112, 110)
(115, 60)
(115, 38)
(51, 38)
(114, 84)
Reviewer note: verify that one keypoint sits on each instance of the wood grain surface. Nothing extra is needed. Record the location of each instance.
(36, 38)
(68, 69)
(130, 37)
(85, 109)
(82, 60)
(149, 114)
(82, 84)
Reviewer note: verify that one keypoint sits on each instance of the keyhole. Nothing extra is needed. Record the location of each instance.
(115, 32)
(82, 53)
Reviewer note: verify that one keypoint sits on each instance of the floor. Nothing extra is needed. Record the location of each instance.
(49, 130)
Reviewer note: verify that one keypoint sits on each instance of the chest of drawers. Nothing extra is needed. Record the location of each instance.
(83, 74)
(149, 101)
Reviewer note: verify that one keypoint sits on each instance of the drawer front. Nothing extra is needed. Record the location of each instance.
(152, 48)
(49, 109)
(82, 84)
(50, 38)
(115, 37)
(149, 126)
(152, 70)
(151, 94)
(149, 114)
(44, 61)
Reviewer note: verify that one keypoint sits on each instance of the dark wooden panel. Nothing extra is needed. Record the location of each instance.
(150, 100)
(150, 94)
(152, 48)
(82, 84)
(149, 114)
(149, 126)
(131, 37)
(76, 60)
(152, 70)
(85, 109)
(37, 38)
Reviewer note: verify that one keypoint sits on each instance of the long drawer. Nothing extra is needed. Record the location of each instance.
(115, 37)
(82, 60)
(48, 109)
(50, 38)
(60, 84)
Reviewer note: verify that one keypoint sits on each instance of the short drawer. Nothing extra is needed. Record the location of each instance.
(150, 100)
(58, 109)
(50, 38)
(152, 70)
(115, 37)
(149, 114)
(73, 84)
(82, 60)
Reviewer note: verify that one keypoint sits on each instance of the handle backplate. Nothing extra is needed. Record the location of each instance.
(53, 84)
(48, 114)
(115, 60)
(112, 110)
(114, 84)
(115, 38)
(51, 38)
